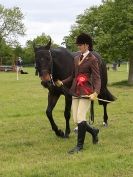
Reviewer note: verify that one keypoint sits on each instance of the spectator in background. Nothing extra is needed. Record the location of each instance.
(19, 65)
(86, 81)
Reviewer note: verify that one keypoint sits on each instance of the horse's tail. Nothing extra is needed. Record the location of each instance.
(104, 92)
(107, 95)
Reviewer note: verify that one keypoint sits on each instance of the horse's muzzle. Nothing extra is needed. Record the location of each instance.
(46, 84)
(45, 78)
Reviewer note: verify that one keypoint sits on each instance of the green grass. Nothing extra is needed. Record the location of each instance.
(29, 148)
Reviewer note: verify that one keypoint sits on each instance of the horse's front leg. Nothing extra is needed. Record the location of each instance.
(67, 114)
(105, 116)
(52, 100)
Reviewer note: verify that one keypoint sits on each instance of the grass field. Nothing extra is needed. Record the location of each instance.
(29, 148)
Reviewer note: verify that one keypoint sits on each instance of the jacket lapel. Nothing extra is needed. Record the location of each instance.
(86, 58)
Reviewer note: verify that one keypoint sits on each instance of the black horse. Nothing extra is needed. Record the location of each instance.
(53, 64)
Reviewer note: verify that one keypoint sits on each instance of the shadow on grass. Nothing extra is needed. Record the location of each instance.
(121, 84)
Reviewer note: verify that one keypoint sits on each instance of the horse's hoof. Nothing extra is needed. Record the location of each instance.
(91, 122)
(60, 133)
(66, 134)
(105, 124)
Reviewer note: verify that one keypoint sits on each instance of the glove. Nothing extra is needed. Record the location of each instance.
(93, 96)
(58, 83)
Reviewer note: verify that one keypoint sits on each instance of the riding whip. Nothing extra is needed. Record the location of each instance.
(88, 97)
(66, 90)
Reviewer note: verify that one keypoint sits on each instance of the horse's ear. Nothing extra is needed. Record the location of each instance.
(48, 45)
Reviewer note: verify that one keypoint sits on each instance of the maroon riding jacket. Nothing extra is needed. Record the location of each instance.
(85, 77)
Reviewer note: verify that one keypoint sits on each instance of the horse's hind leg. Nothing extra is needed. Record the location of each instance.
(67, 114)
(52, 100)
(105, 117)
(91, 116)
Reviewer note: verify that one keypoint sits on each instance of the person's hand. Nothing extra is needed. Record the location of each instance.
(58, 83)
(93, 96)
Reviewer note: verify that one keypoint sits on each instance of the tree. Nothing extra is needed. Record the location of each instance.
(117, 28)
(28, 53)
(6, 53)
(11, 24)
(10, 27)
(111, 27)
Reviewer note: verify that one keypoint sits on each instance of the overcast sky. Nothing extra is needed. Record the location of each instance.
(52, 17)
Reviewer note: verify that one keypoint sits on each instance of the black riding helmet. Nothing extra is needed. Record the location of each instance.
(84, 38)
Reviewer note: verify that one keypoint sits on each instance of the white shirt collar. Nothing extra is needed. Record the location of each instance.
(86, 53)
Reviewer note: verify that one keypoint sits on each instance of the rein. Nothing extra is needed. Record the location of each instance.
(51, 70)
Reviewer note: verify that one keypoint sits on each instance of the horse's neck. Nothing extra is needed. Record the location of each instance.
(62, 63)
(56, 64)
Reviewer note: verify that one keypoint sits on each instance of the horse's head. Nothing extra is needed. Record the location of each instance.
(43, 63)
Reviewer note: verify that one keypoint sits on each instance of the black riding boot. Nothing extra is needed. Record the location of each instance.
(94, 132)
(80, 138)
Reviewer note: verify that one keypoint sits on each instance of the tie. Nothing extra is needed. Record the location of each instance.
(81, 57)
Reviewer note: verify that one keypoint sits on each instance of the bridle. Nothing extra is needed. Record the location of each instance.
(51, 68)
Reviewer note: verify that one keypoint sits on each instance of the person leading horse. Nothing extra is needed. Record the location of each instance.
(85, 81)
